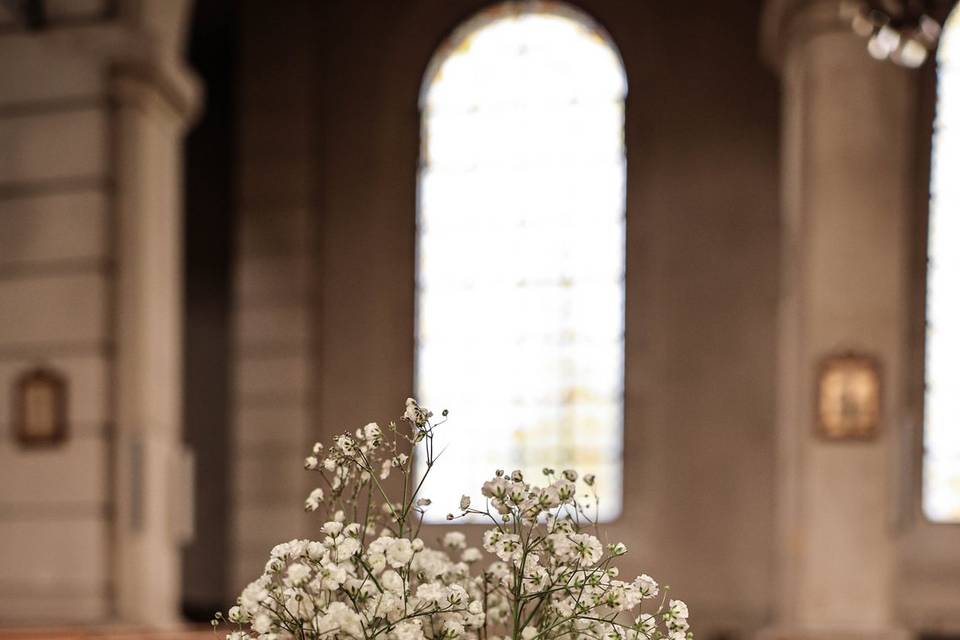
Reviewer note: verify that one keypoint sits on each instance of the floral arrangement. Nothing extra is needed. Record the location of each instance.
(544, 575)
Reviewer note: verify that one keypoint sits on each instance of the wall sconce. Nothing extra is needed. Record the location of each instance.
(40, 408)
(848, 397)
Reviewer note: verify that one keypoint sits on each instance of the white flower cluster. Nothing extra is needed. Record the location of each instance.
(395, 588)
(548, 577)
(545, 557)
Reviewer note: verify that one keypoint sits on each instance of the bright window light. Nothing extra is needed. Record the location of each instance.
(941, 465)
(520, 273)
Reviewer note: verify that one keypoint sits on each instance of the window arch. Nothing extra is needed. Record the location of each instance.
(520, 249)
(941, 467)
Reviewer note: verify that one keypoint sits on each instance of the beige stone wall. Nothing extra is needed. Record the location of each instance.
(272, 295)
(92, 108)
(56, 273)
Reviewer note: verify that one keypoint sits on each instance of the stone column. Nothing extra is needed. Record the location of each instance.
(846, 180)
(154, 98)
(154, 484)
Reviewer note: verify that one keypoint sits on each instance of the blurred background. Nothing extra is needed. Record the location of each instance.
(709, 251)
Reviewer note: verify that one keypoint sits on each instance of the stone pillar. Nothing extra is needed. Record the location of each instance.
(846, 181)
(154, 98)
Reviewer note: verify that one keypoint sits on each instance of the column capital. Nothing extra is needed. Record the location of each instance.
(144, 81)
(786, 22)
(140, 63)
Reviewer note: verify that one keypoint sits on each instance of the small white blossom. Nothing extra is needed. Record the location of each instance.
(452, 629)
(455, 540)
(471, 555)
(262, 623)
(314, 499)
(399, 552)
(298, 572)
(678, 608)
(409, 630)
(647, 586)
(646, 624)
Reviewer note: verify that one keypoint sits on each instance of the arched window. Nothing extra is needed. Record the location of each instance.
(520, 237)
(941, 488)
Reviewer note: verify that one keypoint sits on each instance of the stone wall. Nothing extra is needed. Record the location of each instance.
(56, 273)
(92, 105)
(272, 295)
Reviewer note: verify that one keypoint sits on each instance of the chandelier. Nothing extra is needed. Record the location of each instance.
(902, 31)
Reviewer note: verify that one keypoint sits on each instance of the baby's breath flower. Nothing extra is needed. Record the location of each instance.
(471, 555)
(455, 540)
(678, 608)
(372, 432)
(647, 586)
(297, 572)
(646, 624)
(358, 583)
(452, 629)
(496, 488)
(314, 499)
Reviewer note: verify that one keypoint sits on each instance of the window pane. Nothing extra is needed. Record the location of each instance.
(941, 491)
(521, 251)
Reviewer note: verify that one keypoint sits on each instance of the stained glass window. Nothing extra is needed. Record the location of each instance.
(520, 274)
(941, 489)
